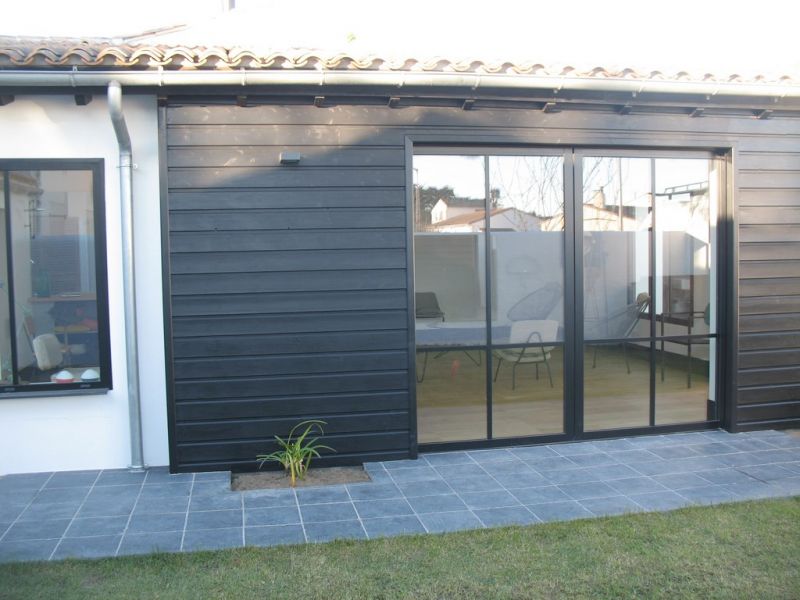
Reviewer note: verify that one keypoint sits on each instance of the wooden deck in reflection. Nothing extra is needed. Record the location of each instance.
(451, 401)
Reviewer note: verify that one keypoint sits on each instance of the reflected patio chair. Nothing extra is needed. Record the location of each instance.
(426, 306)
(528, 332)
(620, 325)
(538, 304)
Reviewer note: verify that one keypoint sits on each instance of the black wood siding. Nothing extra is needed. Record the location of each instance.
(288, 283)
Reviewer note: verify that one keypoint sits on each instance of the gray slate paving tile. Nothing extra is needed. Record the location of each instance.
(492, 456)
(712, 494)
(65, 510)
(322, 495)
(600, 459)
(159, 475)
(495, 499)
(214, 519)
(615, 505)
(338, 530)
(72, 479)
(395, 507)
(24, 481)
(229, 501)
(146, 543)
(513, 481)
(319, 513)
(582, 491)
(575, 449)
(213, 539)
(223, 476)
(572, 476)
(631, 457)
(17, 497)
(119, 477)
(42, 529)
(765, 473)
(459, 471)
(679, 481)
(267, 498)
(442, 503)
(144, 523)
(540, 495)
(274, 535)
(664, 500)
(636, 485)
(162, 505)
(406, 463)
(95, 526)
(448, 458)
(550, 464)
(474, 484)
(59, 495)
(107, 507)
(727, 475)
(612, 472)
(559, 511)
(753, 490)
(450, 521)
(274, 515)
(10, 512)
(429, 488)
(15, 551)
(671, 452)
(391, 526)
(89, 547)
(168, 490)
(509, 515)
(374, 491)
(528, 453)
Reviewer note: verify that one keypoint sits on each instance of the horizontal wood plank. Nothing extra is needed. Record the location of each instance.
(308, 198)
(290, 406)
(294, 342)
(315, 322)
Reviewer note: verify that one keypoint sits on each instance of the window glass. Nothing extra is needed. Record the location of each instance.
(52, 300)
(5, 316)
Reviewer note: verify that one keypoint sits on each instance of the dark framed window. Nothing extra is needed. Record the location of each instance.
(54, 334)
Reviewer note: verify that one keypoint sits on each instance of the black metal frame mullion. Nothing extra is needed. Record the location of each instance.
(651, 248)
(12, 308)
(489, 285)
(576, 282)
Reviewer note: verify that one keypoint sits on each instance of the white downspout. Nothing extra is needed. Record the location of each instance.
(128, 273)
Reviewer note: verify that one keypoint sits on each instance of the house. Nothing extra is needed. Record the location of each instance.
(207, 245)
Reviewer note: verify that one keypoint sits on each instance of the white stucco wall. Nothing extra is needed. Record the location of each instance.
(91, 432)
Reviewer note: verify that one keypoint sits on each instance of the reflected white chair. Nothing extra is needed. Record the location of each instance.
(526, 333)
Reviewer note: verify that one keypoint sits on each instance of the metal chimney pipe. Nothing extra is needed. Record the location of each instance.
(128, 273)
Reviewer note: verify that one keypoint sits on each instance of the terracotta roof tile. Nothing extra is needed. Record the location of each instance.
(33, 53)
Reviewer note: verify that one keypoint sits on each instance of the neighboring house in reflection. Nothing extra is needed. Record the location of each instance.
(502, 219)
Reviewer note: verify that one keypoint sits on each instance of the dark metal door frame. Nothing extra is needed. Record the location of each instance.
(573, 397)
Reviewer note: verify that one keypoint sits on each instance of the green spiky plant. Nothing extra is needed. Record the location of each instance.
(296, 452)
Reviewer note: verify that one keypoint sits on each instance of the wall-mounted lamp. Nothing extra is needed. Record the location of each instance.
(290, 158)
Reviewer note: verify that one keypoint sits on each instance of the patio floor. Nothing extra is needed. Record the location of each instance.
(89, 514)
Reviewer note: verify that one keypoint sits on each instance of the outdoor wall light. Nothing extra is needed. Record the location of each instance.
(290, 158)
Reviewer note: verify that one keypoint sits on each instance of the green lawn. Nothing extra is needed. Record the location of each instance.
(745, 550)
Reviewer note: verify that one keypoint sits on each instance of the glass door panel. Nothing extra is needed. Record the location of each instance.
(450, 292)
(527, 294)
(687, 197)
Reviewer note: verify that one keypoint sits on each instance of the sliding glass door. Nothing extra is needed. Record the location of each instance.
(489, 249)
(649, 282)
(561, 292)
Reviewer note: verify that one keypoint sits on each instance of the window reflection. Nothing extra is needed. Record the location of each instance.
(54, 280)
